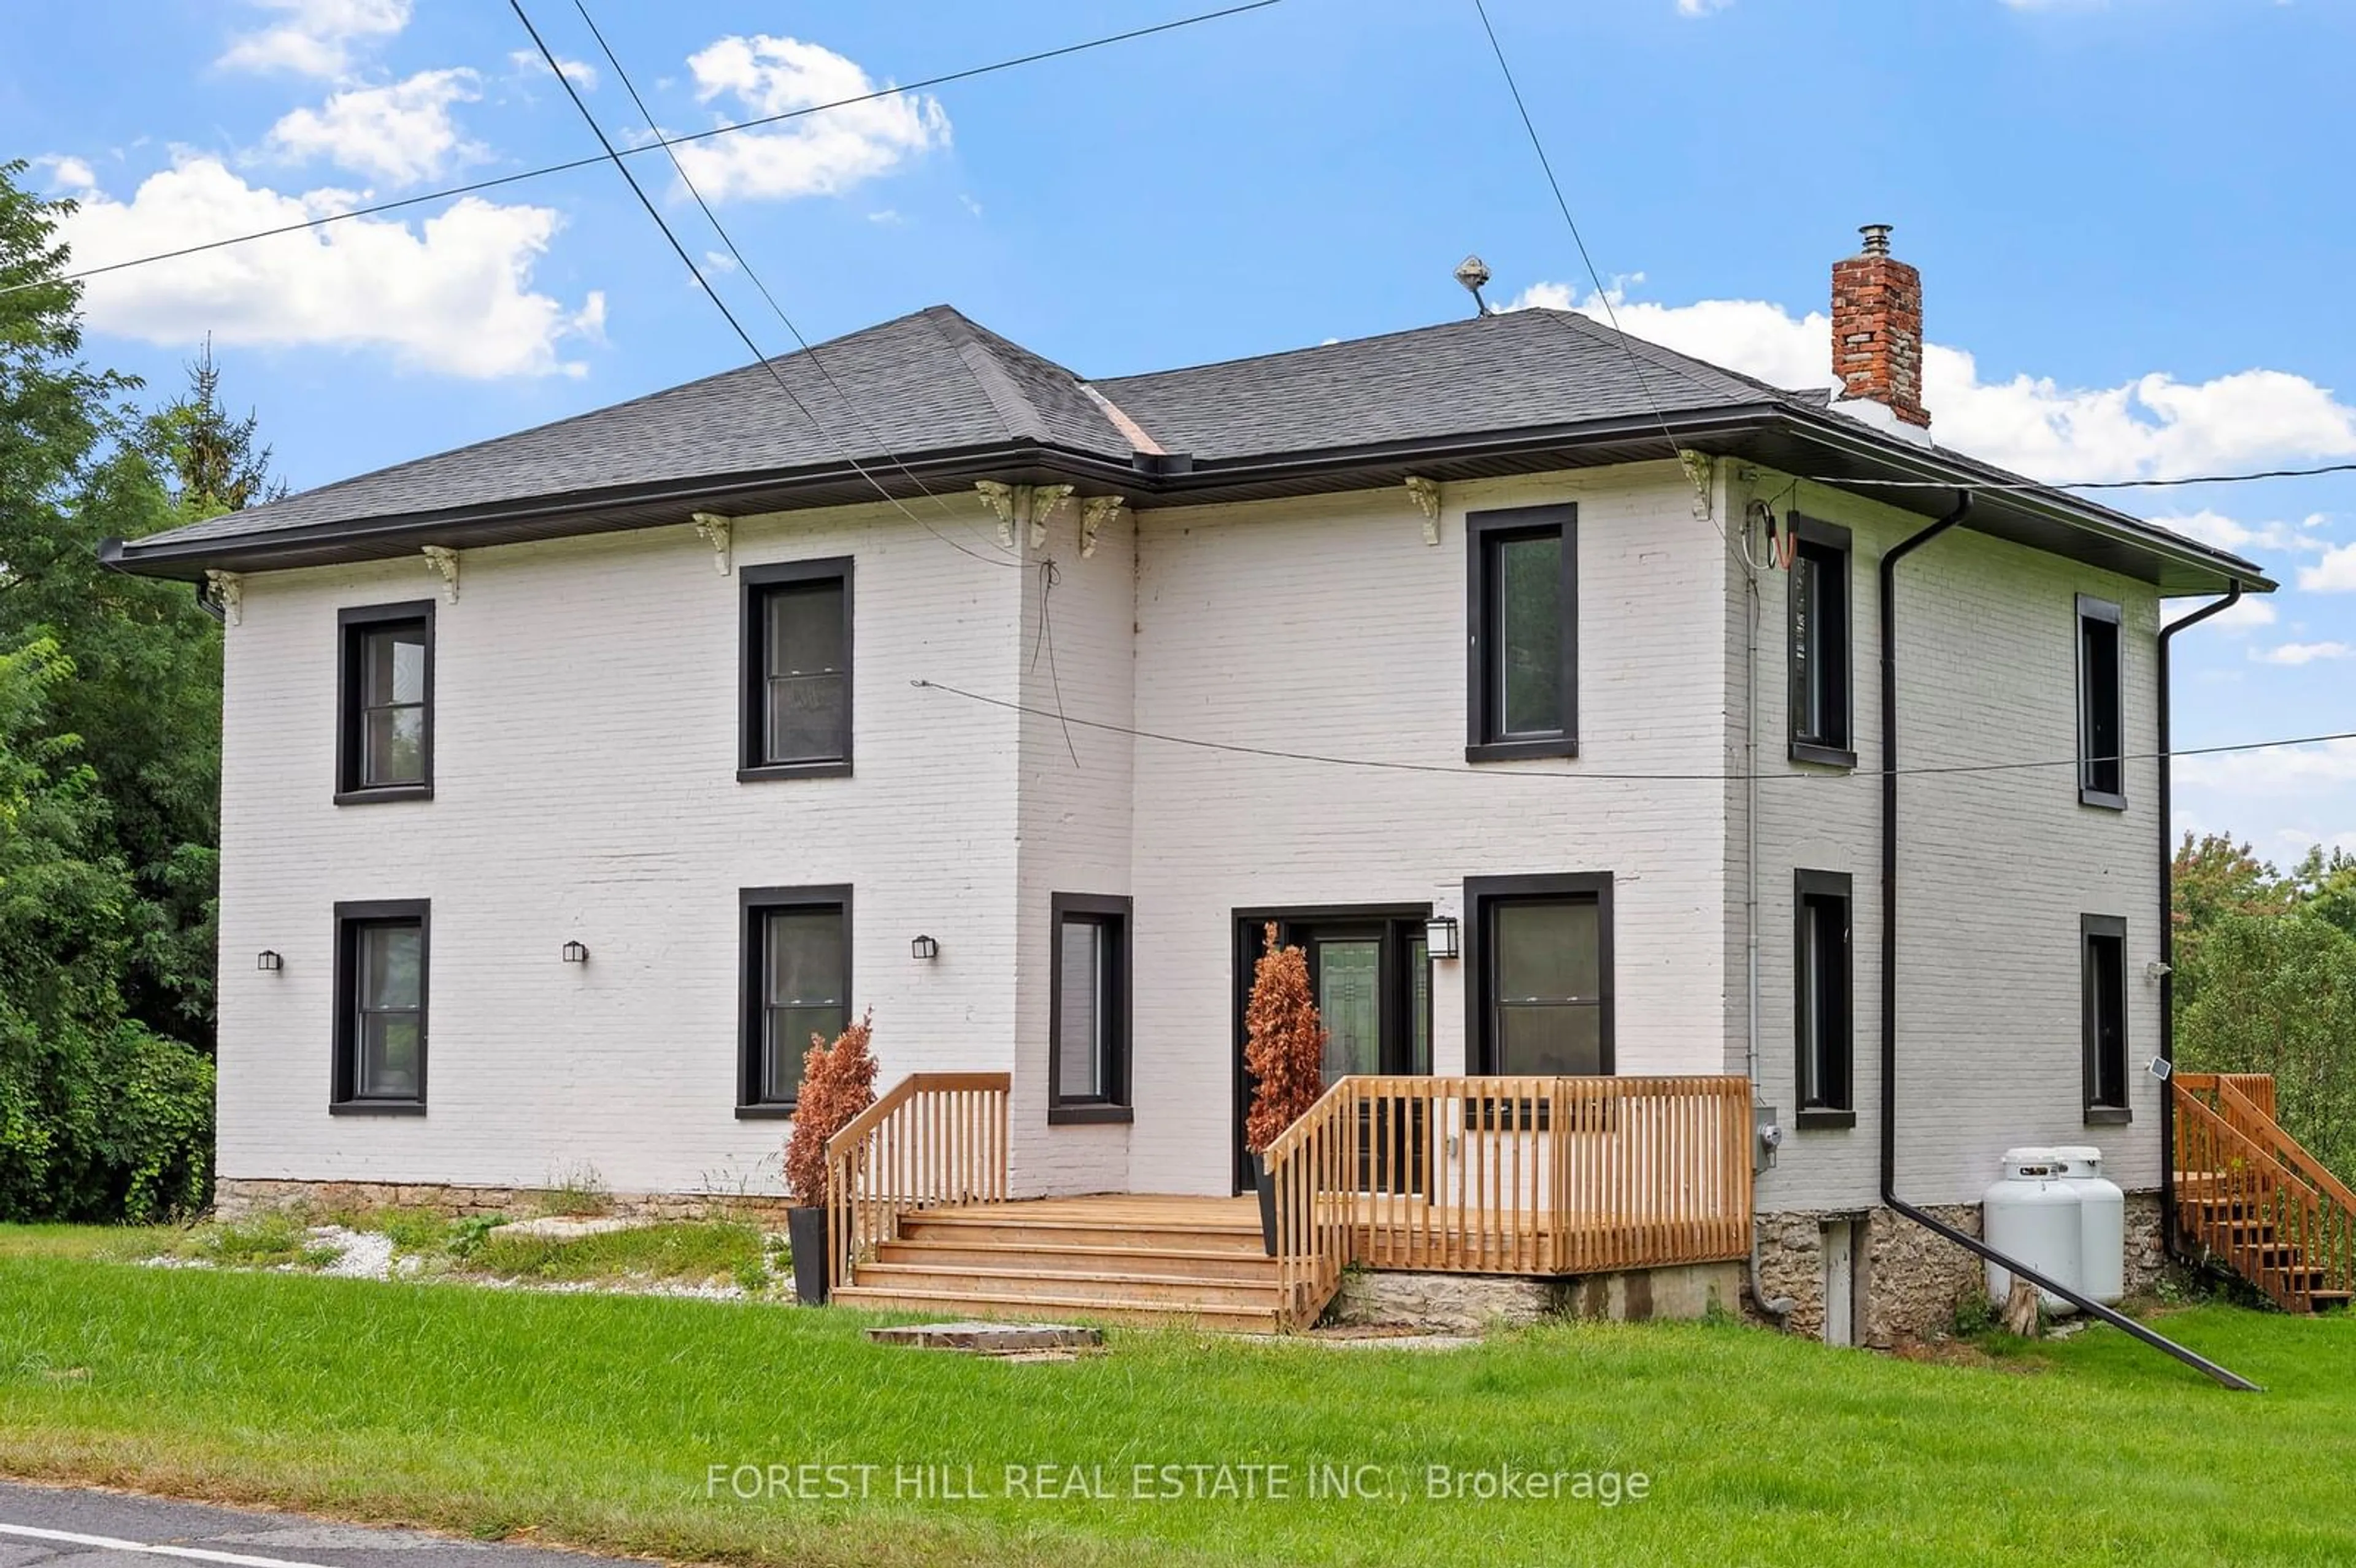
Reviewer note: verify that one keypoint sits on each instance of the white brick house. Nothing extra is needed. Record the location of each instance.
(1453, 623)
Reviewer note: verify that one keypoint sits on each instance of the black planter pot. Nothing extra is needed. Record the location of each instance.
(805, 1229)
(1266, 1185)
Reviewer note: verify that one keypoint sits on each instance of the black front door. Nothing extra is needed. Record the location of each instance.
(1371, 975)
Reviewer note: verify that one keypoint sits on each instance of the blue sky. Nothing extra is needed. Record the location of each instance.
(2130, 218)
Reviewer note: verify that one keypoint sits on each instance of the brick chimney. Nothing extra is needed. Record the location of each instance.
(1877, 329)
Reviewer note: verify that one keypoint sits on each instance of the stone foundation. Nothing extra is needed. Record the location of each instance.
(1470, 1303)
(237, 1197)
(1909, 1280)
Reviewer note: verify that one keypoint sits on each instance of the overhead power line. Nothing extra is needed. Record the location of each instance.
(1392, 765)
(496, 181)
(2021, 484)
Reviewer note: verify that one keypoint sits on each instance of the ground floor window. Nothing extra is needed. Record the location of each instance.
(1539, 963)
(1823, 991)
(797, 945)
(2103, 963)
(1087, 1004)
(380, 959)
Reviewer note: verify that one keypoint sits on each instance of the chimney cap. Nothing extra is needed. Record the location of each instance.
(1877, 238)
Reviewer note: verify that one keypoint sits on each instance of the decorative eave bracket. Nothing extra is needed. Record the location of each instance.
(1044, 499)
(714, 529)
(1027, 507)
(1699, 466)
(444, 561)
(228, 593)
(1095, 513)
(1427, 496)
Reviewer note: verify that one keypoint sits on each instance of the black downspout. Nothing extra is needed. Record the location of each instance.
(2168, 918)
(1889, 609)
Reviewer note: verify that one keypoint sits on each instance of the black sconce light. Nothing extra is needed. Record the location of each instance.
(926, 948)
(268, 962)
(1439, 936)
(575, 954)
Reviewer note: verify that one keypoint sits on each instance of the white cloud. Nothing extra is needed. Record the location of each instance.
(2335, 573)
(1701, 7)
(531, 62)
(452, 296)
(2278, 770)
(2227, 533)
(2302, 652)
(66, 173)
(2152, 427)
(817, 154)
(2248, 613)
(400, 132)
(315, 37)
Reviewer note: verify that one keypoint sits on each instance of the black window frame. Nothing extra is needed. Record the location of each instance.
(1483, 896)
(759, 583)
(2100, 1112)
(2094, 611)
(1827, 546)
(351, 918)
(1111, 915)
(353, 624)
(1831, 1104)
(754, 907)
(1484, 532)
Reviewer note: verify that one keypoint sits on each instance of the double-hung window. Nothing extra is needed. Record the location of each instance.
(1540, 956)
(1522, 690)
(1824, 999)
(2102, 727)
(384, 732)
(2103, 965)
(380, 964)
(1088, 1063)
(796, 947)
(797, 670)
(1819, 636)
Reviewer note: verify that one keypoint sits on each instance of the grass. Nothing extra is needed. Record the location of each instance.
(594, 1421)
(692, 1253)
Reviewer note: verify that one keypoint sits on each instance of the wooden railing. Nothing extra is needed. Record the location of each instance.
(1530, 1176)
(933, 1138)
(2253, 1196)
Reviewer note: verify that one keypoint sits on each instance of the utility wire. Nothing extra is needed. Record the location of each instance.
(2019, 484)
(714, 295)
(498, 180)
(745, 265)
(1279, 754)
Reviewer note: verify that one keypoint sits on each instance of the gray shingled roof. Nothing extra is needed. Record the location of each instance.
(923, 382)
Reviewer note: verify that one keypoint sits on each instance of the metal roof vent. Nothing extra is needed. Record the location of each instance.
(1472, 272)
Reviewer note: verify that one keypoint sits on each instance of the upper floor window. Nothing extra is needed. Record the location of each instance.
(797, 943)
(2102, 964)
(1824, 1000)
(2102, 727)
(1819, 634)
(1541, 960)
(380, 956)
(797, 675)
(1523, 605)
(1087, 1067)
(384, 742)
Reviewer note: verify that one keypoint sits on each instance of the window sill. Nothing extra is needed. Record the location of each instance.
(1824, 1120)
(1508, 751)
(835, 770)
(384, 793)
(771, 1113)
(376, 1107)
(1825, 756)
(2102, 798)
(2109, 1116)
(1081, 1115)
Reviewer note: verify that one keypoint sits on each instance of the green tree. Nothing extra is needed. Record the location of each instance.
(211, 456)
(2216, 877)
(2327, 886)
(2277, 993)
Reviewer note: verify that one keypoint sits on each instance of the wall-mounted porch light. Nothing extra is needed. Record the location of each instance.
(575, 954)
(1439, 936)
(268, 962)
(925, 948)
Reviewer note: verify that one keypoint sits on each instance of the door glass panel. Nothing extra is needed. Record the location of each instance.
(1418, 1005)
(1349, 1003)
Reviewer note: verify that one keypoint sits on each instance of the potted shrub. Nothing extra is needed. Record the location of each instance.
(1284, 1050)
(838, 1083)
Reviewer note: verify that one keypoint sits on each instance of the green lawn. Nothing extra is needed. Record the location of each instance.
(597, 1420)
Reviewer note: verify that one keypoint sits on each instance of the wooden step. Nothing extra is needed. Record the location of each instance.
(1049, 1256)
(982, 1304)
(1214, 1294)
(1000, 1230)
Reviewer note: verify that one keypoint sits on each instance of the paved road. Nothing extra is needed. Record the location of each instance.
(74, 1528)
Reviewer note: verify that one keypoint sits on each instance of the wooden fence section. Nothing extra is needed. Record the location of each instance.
(933, 1138)
(1309, 1168)
(2255, 1198)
